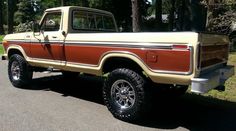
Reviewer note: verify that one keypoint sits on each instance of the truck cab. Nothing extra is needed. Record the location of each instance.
(59, 23)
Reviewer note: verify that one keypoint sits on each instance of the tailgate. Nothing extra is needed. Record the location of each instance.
(214, 50)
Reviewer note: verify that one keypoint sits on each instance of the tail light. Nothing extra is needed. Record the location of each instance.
(180, 47)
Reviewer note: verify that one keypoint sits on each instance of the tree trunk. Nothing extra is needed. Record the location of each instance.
(158, 14)
(1, 18)
(188, 16)
(136, 15)
(172, 16)
(181, 15)
(62, 2)
(210, 9)
(198, 16)
(10, 16)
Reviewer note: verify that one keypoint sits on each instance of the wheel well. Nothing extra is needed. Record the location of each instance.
(14, 51)
(118, 62)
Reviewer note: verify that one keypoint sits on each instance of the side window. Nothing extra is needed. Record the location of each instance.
(51, 22)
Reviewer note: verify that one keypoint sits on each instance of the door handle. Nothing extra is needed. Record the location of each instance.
(54, 37)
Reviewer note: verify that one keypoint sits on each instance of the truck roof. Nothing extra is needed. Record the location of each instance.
(79, 8)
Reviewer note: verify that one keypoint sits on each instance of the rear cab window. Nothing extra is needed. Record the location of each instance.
(92, 22)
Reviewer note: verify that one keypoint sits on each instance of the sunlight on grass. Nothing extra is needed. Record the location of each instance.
(1, 48)
(1, 37)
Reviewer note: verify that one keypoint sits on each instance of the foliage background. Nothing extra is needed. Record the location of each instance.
(183, 15)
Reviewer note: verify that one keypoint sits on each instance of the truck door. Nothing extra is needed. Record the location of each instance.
(47, 45)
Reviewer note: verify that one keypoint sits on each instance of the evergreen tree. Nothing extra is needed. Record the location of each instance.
(26, 11)
(158, 14)
(1, 18)
(10, 14)
(62, 2)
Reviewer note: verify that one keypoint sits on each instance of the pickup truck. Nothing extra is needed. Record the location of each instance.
(76, 39)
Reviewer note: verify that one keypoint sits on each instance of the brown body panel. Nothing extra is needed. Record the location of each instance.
(47, 51)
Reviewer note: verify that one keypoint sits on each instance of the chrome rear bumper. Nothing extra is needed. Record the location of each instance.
(211, 80)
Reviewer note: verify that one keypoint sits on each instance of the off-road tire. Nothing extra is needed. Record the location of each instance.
(138, 84)
(19, 71)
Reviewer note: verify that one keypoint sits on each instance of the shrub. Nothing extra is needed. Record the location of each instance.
(24, 27)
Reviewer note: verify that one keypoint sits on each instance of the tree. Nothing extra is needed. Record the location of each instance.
(10, 10)
(158, 14)
(45, 4)
(172, 16)
(62, 2)
(220, 16)
(85, 3)
(26, 11)
(136, 15)
(1, 18)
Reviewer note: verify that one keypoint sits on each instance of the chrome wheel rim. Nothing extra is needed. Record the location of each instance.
(123, 94)
(15, 70)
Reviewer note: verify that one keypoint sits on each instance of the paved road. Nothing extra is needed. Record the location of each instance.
(55, 104)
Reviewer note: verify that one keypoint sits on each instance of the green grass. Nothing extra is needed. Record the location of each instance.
(1, 37)
(1, 48)
(230, 91)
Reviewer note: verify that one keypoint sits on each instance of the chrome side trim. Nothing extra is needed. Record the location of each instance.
(121, 44)
(80, 64)
(51, 41)
(46, 61)
(37, 41)
(18, 40)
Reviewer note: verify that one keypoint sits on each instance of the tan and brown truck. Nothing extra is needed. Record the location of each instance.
(77, 39)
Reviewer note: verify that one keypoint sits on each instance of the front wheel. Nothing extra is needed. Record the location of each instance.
(124, 94)
(19, 72)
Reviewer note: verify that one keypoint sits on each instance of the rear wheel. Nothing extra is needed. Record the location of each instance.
(125, 94)
(19, 71)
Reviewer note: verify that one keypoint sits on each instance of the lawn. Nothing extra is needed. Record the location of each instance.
(1, 48)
